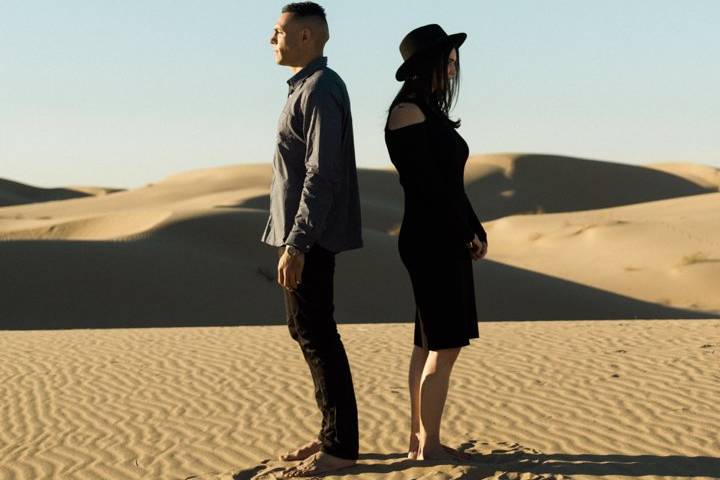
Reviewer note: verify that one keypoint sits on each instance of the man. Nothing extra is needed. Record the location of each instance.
(314, 214)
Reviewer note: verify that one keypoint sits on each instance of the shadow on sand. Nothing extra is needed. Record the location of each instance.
(155, 283)
(525, 464)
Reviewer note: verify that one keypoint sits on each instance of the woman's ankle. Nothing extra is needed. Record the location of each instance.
(431, 442)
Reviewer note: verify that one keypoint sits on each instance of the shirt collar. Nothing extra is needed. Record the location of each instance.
(309, 69)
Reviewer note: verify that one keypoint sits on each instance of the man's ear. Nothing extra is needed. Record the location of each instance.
(306, 34)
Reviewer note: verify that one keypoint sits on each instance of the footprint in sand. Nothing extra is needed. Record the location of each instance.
(263, 471)
(526, 476)
(510, 461)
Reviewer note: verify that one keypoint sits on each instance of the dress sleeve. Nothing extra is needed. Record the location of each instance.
(473, 219)
(431, 178)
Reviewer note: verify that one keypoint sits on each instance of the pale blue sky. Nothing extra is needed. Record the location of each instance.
(123, 93)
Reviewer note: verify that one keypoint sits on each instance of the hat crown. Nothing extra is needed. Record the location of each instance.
(421, 39)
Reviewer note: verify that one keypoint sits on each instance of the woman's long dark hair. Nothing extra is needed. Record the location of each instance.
(431, 69)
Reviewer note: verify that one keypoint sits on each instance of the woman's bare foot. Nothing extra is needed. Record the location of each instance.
(301, 453)
(318, 464)
(439, 453)
(414, 446)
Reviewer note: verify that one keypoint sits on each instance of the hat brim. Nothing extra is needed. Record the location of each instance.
(456, 39)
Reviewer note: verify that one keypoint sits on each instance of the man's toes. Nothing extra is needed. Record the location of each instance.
(301, 453)
(288, 457)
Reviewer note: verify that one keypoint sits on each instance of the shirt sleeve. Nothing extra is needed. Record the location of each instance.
(323, 133)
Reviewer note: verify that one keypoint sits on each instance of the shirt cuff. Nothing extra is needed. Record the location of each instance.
(299, 241)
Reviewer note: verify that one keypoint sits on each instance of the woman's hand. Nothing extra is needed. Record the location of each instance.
(478, 249)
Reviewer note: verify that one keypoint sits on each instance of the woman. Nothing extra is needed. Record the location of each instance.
(440, 234)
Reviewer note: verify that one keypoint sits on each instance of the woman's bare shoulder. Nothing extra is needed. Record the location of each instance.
(405, 114)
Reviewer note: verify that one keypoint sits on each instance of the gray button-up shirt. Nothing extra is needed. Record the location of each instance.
(314, 197)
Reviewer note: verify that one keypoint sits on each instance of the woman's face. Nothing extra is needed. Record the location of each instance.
(451, 71)
(452, 60)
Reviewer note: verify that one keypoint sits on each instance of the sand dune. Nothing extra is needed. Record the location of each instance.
(163, 281)
(185, 250)
(507, 184)
(541, 400)
(14, 193)
(666, 252)
(704, 175)
(500, 185)
(198, 189)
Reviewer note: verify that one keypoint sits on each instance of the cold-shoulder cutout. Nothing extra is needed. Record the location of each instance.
(404, 115)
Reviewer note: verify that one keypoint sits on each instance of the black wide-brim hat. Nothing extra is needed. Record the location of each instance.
(420, 41)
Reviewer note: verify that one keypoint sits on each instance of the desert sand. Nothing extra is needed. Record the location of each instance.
(581, 399)
(600, 334)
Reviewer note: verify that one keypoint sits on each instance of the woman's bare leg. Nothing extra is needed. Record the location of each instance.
(434, 384)
(417, 365)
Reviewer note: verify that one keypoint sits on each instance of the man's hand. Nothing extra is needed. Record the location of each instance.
(478, 249)
(290, 270)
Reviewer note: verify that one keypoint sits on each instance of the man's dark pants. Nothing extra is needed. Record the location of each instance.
(310, 319)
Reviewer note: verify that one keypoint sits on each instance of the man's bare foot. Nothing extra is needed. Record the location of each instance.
(301, 453)
(317, 464)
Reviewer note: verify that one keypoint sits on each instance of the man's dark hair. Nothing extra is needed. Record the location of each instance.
(305, 9)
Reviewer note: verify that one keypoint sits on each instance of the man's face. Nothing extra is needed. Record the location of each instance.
(285, 41)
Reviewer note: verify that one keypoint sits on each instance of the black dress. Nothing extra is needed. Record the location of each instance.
(438, 222)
